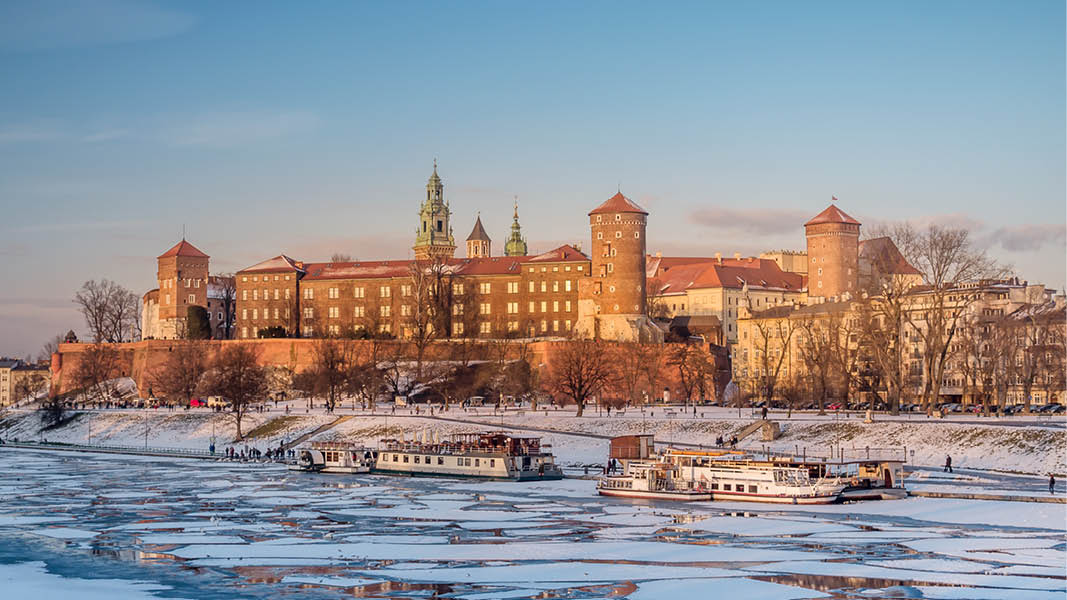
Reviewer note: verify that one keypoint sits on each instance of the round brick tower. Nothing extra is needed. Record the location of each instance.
(833, 253)
(612, 303)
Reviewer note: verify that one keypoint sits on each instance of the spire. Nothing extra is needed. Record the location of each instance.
(516, 244)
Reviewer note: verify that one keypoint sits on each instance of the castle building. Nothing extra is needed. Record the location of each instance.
(613, 303)
(478, 243)
(433, 239)
(833, 253)
(184, 282)
(516, 244)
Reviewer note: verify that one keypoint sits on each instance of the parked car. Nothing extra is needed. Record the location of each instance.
(1057, 408)
(835, 406)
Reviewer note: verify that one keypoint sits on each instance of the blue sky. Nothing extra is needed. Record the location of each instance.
(309, 128)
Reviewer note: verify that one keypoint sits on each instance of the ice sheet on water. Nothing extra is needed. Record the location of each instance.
(553, 572)
(1028, 551)
(189, 538)
(970, 593)
(17, 520)
(341, 582)
(944, 565)
(66, 533)
(808, 567)
(737, 587)
(757, 526)
(32, 580)
(637, 551)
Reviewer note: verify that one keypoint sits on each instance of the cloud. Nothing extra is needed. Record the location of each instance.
(752, 220)
(1028, 237)
(236, 128)
(83, 226)
(52, 24)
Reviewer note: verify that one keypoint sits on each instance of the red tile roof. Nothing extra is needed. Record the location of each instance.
(278, 263)
(832, 214)
(618, 204)
(885, 257)
(183, 248)
(384, 269)
(729, 273)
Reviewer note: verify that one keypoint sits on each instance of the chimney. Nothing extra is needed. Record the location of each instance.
(718, 257)
(737, 256)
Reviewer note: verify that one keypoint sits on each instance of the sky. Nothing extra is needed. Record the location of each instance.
(311, 128)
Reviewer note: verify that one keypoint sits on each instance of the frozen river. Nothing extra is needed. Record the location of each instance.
(108, 526)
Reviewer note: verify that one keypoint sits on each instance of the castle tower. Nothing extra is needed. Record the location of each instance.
(516, 244)
(612, 302)
(833, 253)
(433, 238)
(478, 242)
(182, 272)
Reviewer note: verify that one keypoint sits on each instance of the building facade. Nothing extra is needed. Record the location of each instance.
(184, 282)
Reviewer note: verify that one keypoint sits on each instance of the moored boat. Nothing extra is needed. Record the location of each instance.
(334, 457)
(490, 455)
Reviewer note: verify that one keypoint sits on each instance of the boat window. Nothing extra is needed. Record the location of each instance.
(492, 462)
(405, 458)
(714, 486)
(726, 487)
(752, 489)
(396, 457)
(440, 460)
(477, 462)
(416, 460)
(427, 460)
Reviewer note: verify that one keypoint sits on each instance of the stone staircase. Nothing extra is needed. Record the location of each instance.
(316, 431)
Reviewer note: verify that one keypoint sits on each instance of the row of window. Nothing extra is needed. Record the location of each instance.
(266, 294)
(460, 461)
(244, 278)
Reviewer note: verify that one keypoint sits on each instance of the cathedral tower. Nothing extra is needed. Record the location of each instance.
(833, 253)
(516, 244)
(612, 301)
(478, 242)
(433, 239)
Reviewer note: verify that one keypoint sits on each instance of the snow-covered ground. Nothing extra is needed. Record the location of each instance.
(75, 525)
(1034, 446)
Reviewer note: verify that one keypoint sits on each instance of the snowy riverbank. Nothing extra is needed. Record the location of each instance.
(1009, 445)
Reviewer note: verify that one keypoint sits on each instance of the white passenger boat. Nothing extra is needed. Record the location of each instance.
(492, 455)
(334, 457)
(675, 474)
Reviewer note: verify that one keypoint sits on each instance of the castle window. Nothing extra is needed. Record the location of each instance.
(244, 278)
(544, 326)
(555, 306)
(309, 312)
(286, 293)
(598, 218)
(440, 225)
(358, 312)
(457, 329)
(405, 310)
(567, 285)
(405, 290)
(544, 306)
(334, 312)
(567, 324)
(485, 327)
(513, 325)
(555, 286)
(532, 284)
(513, 308)
(637, 234)
(192, 299)
(309, 293)
(485, 288)
(255, 314)
(386, 310)
(244, 295)
(544, 269)
(255, 294)
(275, 314)
(513, 287)
(618, 234)
(533, 307)
(611, 268)
(567, 306)
(424, 226)
(244, 313)
(544, 286)
(579, 267)
(611, 289)
(275, 278)
(457, 309)
(600, 235)
(244, 332)
(385, 291)
(457, 289)
(334, 293)
(485, 308)
(555, 325)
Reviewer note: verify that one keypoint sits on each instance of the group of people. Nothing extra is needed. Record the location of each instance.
(280, 453)
(720, 442)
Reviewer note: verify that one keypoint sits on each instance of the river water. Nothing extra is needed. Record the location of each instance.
(110, 526)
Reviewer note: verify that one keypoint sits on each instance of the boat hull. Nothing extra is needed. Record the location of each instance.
(525, 476)
(646, 495)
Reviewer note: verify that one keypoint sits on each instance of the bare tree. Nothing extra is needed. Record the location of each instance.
(630, 370)
(227, 285)
(29, 385)
(331, 361)
(50, 347)
(238, 378)
(580, 369)
(692, 365)
(946, 258)
(338, 257)
(99, 364)
(111, 311)
(772, 339)
(179, 377)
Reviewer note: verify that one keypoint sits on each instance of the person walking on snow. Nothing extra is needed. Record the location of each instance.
(948, 464)
(1051, 483)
